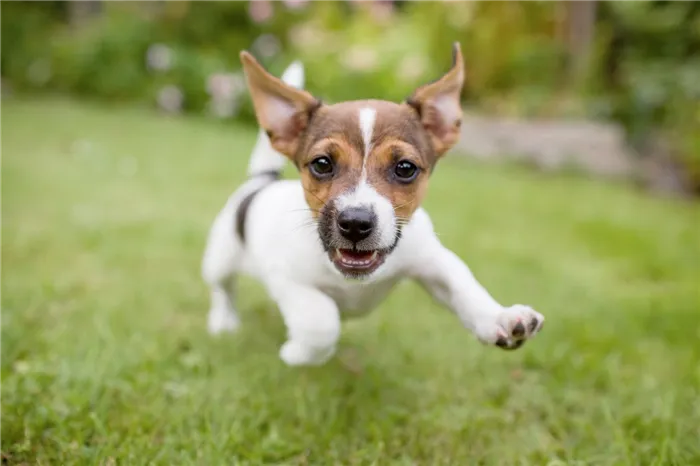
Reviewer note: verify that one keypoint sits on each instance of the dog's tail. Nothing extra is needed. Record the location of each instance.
(265, 159)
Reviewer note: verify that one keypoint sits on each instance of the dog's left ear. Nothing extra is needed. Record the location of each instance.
(438, 105)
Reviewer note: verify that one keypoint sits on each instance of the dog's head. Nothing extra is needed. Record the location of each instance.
(364, 164)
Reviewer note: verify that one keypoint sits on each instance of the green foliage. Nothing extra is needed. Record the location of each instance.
(26, 28)
(382, 53)
(506, 45)
(103, 58)
(644, 70)
(655, 86)
(106, 57)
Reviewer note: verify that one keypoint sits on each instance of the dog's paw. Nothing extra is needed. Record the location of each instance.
(294, 353)
(222, 321)
(514, 325)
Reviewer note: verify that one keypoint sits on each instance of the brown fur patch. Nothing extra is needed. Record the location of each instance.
(348, 168)
(397, 134)
(405, 197)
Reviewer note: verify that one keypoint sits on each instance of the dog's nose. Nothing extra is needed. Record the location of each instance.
(356, 223)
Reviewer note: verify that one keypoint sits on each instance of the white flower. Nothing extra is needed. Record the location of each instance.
(267, 45)
(39, 72)
(223, 108)
(238, 81)
(295, 4)
(170, 99)
(412, 68)
(159, 57)
(260, 10)
(381, 11)
(225, 90)
(226, 86)
(308, 35)
(361, 59)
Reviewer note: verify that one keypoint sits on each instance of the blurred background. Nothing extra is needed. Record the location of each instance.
(610, 88)
(125, 125)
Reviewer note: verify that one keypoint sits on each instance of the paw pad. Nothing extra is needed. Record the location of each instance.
(519, 330)
(518, 324)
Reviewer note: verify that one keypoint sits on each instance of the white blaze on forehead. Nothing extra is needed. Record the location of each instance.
(364, 195)
(367, 117)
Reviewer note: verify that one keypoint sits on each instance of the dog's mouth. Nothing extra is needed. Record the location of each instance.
(356, 263)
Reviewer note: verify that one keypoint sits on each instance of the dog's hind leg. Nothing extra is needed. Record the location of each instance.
(219, 268)
(224, 251)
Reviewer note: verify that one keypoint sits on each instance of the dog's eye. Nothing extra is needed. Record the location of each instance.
(321, 167)
(405, 171)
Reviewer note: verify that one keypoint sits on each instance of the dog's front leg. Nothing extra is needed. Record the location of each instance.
(451, 282)
(313, 323)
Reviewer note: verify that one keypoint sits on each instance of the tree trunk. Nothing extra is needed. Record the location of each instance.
(80, 12)
(581, 17)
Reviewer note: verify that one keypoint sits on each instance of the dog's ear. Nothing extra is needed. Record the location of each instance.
(438, 105)
(282, 110)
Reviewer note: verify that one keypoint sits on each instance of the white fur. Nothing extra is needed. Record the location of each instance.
(367, 118)
(283, 251)
(265, 158)
(294, 75)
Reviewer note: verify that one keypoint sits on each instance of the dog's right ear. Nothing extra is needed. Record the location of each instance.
(439, 107)
(282, 110)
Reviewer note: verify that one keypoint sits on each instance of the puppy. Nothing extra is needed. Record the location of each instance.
(333, 244)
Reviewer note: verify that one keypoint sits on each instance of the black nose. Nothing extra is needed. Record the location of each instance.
(356, 223)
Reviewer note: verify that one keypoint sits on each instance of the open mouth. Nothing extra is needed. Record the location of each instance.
(356, 263)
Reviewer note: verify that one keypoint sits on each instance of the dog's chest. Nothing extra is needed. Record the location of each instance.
(354, 299)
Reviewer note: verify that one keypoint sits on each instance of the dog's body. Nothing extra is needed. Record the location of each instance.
(333, 244)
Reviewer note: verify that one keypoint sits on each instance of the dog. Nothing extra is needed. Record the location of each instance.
(333, 244)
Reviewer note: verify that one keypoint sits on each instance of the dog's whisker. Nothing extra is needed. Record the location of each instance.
(310, 221)
(403, 205)
(305, 226)
(309, 209)
(323, 203)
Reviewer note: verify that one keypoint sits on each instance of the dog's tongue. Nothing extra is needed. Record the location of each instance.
(356, 255)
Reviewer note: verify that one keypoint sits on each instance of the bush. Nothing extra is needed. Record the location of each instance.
(183, 56)
(655, 85)
(26, 29)
(377, 49)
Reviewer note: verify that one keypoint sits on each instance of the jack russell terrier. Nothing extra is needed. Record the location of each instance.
(335, 242)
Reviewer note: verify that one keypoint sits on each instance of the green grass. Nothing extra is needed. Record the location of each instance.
(105, 357)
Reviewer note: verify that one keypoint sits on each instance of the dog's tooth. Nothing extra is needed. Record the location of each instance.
(355, 262)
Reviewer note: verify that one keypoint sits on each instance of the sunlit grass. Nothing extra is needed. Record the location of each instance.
(105, 354)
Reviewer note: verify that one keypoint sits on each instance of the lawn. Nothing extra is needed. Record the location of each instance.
(106, 359)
